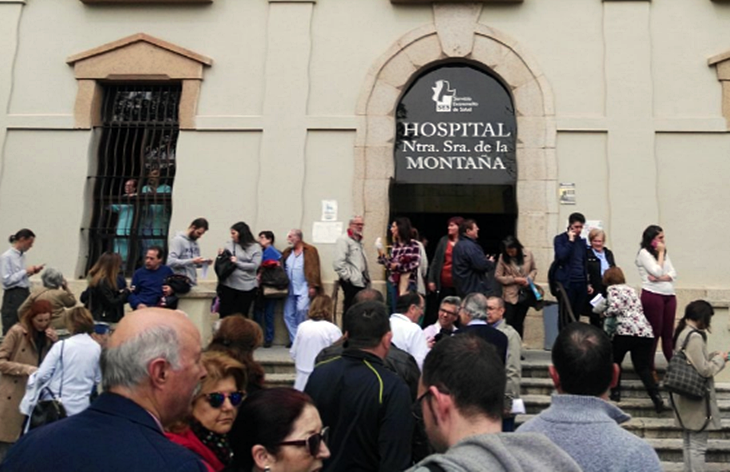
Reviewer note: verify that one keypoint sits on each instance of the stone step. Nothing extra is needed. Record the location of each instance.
(670, 450)
(629, 388)
(285, 379)
(653, 428)
(636, 407)
(709, 467)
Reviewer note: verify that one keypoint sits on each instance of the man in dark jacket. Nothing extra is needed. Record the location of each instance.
(570, 254)
(367, 407)
(470, 265)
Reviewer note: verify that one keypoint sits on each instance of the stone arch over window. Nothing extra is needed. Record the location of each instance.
(456, 36)
(136, 58)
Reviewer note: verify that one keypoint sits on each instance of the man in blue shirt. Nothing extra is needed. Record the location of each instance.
(570, 254)
(148, 281)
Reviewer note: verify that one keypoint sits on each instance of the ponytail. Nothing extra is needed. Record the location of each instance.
(24, 233)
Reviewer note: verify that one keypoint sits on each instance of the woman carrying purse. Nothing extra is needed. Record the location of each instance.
(690, 414)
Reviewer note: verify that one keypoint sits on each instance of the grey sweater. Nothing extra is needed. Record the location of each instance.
(502, 452)
(247, 263)
(182, 252)
(588, 429)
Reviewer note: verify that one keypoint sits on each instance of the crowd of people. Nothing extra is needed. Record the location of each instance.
(389, 391)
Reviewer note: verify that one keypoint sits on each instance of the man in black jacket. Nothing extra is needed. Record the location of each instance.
(470, 266)
(367, 407)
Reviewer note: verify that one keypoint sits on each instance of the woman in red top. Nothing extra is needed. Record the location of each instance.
(214, 410)
(440, 280)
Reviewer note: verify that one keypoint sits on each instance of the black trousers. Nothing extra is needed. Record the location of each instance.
(235, 302)
(350, 292)
(641, 355)
(514, 315)
(12, 299)
(577, 294)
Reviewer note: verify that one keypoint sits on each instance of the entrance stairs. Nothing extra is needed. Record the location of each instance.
(537, 387)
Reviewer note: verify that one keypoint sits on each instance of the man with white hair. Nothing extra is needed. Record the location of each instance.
(150, 370)
(350, 262)
(301, 262)
(473, 314)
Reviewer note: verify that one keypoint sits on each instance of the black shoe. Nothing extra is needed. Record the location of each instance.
(288, 345)
(267, 344)
(658, 402)
(615, 395)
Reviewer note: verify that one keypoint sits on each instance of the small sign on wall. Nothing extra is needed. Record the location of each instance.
(326, 232)
(566, 193)
(329, 210)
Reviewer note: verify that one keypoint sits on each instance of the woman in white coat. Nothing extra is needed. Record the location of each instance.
(71, 368)
(313, 335)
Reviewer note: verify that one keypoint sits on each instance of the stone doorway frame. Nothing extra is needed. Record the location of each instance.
(456, 35)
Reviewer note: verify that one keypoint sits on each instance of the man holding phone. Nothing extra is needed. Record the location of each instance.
(570, 254)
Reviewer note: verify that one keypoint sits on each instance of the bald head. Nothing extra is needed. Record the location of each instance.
(140, 321)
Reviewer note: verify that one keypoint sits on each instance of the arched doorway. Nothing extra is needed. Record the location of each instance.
(432, 45)
(454, 153)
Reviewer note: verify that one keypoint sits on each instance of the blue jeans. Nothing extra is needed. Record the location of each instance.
(295, 311)
(263, 313)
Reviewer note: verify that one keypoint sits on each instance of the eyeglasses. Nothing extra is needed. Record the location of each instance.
(216, 399)
(312, 443)
(452, 313)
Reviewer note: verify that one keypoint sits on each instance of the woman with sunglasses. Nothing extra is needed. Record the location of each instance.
(214, 410)
(280, 431)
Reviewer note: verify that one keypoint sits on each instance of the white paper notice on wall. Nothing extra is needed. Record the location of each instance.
(329, 210)
(326, 232)
(590, 224)
(566, 193)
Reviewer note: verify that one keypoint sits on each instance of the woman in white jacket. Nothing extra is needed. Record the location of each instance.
(313, 335)
(71, 368)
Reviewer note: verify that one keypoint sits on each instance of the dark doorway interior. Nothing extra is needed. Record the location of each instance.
(429, 206)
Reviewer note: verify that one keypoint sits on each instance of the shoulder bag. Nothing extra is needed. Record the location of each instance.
(682, 378)
(49, 411)
(223, 265)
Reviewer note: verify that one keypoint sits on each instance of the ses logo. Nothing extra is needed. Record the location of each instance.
(443, 95)
(447, 100)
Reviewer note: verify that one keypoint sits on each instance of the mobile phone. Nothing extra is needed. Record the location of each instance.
(654, 243)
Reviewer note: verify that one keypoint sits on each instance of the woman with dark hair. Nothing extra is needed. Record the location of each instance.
(404, 259)
(214, 410)
(15, 276)
(515, 266)
(690, 414)
(21, 352)
(239, 337)
(108, 291)
(598, 260)
(55, 290)
(238, 290)
(71, 368)
(281, 431)
(440, 280)
(631, 332)
(657, 287)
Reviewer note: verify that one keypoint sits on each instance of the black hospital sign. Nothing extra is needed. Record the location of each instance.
(456, 125)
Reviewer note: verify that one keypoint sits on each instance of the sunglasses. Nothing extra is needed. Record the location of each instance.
(216, 399)
(312, 443)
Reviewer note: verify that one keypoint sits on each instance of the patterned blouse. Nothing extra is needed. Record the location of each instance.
(406, 259)
(623, 303)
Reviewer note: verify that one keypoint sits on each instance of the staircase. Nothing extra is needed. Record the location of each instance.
(658, 430)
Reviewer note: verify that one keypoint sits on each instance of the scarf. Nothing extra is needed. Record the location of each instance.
(354, 236)
(217, 443)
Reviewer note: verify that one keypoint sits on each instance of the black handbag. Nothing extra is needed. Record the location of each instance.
(223, 265)
(682, 378)
(49, 411)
